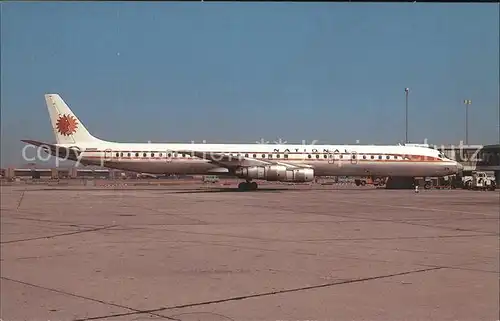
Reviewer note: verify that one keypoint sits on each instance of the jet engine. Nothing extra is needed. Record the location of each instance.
(276, 173)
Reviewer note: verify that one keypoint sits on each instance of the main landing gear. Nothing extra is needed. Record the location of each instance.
(400, 183)
(247, 186)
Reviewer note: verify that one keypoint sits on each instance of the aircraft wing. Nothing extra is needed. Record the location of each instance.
(228, 161)
(58, 151)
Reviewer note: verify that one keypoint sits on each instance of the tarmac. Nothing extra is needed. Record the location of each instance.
(280, 253)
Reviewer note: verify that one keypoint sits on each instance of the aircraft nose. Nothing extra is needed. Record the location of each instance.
(460, 167)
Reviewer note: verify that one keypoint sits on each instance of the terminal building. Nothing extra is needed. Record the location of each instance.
(476, 158)
(57, 173)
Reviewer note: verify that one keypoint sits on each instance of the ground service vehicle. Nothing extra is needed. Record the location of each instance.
(479, 181)
(446, 182)
(375, 181)
(210, 179)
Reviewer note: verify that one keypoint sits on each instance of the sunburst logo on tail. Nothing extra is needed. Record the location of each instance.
(66, 125)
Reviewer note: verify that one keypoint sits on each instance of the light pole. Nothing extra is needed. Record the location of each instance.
(467, 102)
(407, 90)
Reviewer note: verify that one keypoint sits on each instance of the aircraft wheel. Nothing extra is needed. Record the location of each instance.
(253, 186)
(243, 186)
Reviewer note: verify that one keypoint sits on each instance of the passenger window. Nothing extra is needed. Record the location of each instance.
(160, 154)
(277, 155)
(144, 155)
(379, 157)
(364, 156)
(263, 155)
(254, 155)
(388, 157)
(136, 154)
(117, 154)
(317, 156)
(152, 154)
(372, 157)
(246, 155)
(309, 156)
(128, 154)
(325, 156)
(286, 156)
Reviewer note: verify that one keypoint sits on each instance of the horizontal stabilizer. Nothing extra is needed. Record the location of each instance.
(63, 152)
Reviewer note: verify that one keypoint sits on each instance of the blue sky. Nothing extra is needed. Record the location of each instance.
(239, 72)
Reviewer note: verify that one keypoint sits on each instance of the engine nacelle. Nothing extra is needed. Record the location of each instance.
(300, 175)
(276, 173)
(269, 173)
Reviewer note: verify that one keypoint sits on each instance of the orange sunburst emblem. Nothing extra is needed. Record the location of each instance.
(66, 125)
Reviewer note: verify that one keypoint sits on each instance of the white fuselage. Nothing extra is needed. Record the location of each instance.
(325, 160)
(296, 163)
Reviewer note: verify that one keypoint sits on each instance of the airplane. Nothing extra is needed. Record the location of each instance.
(249, 162)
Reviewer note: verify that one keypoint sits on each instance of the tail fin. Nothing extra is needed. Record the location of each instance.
(68, 129)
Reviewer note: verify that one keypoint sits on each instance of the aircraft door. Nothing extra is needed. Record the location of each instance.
(354, 158)
(331, 158)
(334, 158)
(108, 154)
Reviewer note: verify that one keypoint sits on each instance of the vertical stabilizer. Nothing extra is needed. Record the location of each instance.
(68, 129)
